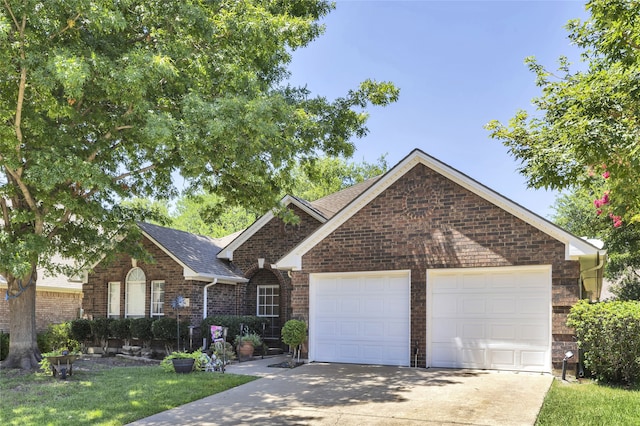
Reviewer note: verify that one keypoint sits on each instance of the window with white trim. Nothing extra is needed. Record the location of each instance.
(157, 298)
(268, 301)
(135, 303)
(113, 299)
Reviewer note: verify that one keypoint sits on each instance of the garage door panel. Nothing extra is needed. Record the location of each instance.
(532, 358)
(490, 319)
(372, 317)
(472, 331)
(503, 305)
(503, 332)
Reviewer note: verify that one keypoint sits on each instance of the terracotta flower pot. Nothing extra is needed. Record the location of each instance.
(245, 349)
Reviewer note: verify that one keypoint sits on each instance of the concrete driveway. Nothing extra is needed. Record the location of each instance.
(346, 394)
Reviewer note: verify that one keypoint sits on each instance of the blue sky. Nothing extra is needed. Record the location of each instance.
(458, 64)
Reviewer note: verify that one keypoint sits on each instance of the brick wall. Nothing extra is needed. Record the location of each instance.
(222, 297)
(52, 307)
(271, 242)
(425, 221)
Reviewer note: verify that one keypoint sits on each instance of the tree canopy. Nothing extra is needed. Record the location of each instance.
(209, 214)
(102, 101)
(587, 126)
(574, 212)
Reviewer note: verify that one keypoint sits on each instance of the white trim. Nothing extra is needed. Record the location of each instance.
(258, 287)
(127, 314)
(153, 314)
(574, 246)
(208, 278)
(109, 313)
(432, 273)
(227, 252)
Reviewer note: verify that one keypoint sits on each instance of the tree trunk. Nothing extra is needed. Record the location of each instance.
(23, 344)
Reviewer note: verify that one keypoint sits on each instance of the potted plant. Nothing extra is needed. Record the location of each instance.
(246, 343)
(182, 362)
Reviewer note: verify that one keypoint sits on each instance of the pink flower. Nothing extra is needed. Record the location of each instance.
(605, 198)
(599, 212)
(617, 220)
(606, 174)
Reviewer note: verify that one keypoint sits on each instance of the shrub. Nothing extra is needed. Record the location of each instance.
(294, 334)
(253, 325)
(100, 332)
(57, 337)
(4, 345)
(166, 329)
(609, 335)
(81, 330)
(121, 329)
(141, 330)
(100, 328)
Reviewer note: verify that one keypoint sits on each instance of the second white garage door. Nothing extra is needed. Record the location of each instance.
(493, 318)
(361, 318)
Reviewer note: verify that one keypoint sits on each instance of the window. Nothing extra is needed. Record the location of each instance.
(268, 301)
(135, 305)
(113, 300)
(157, 298)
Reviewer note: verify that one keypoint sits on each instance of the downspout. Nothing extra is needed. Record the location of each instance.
(600, 265)
(204, 307)
(204, 297)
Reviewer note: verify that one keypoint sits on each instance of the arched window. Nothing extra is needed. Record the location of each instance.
(136, 283)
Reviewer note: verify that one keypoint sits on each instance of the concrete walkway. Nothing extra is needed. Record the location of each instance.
(346, 394)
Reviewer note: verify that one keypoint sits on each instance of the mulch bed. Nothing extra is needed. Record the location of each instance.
(287, 364)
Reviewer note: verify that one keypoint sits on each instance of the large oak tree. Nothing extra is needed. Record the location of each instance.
(101, 101)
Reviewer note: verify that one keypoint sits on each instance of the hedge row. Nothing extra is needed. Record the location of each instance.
(143, 329)
(609, 335)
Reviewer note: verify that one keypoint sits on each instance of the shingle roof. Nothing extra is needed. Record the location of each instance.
(333, 203)
(197, 252)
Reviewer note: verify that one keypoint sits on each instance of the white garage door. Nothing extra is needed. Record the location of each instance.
(493, 318)
(361, 318)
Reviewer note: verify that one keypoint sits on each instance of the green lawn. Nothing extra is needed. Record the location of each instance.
(589, 404)
(110, 397)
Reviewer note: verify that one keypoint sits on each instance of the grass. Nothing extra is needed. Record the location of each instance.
(589, 404)
(111, 397)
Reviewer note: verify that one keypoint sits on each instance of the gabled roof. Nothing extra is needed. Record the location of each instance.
(321, 209)
(227, 252)
(574, 247)
(197, 254)
(333, 203)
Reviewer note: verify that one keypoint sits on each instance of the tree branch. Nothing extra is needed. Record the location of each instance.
(15, 21)
(70, 24)
(5, 213)
(135, 172)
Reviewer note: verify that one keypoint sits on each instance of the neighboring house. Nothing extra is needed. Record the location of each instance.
(421, 266)
(58, 299)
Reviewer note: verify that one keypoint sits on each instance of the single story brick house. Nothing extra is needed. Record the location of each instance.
(58, 299)
(421, 266)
